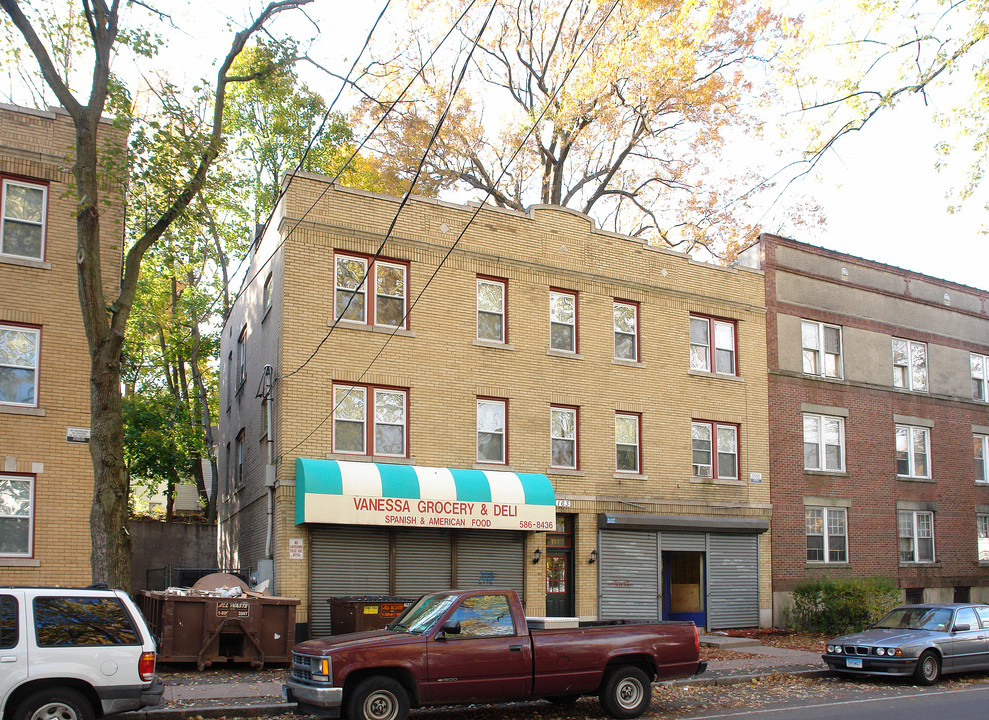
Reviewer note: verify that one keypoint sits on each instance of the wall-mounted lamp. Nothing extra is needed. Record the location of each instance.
(537, 556)
(593, 558)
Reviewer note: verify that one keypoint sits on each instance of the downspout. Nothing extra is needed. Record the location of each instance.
(265, 393)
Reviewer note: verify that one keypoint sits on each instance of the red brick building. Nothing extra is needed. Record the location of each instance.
(878, 424)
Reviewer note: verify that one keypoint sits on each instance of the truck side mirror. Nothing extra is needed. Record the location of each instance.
(450, 627)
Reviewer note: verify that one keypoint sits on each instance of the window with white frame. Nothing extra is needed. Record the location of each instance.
(980, 376)
(626, 321)
(821, 349)
(916, 536)
(491, 431)
(712, 345)
(22, 221)
(627, 442)
(239, 467)
(981, 443)
(388, 278)
(491, 295)
(350, 288)
(563, 320)
(16, 515)
(266, 294)
(824, 443)
(714, 450)
(387, 432)
(982, 533)
(242, 357)
(913, 451)
(910, 365)
(19, 347)
(827, 534)
(563, 437)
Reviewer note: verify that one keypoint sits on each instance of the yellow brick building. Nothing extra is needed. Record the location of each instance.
(509, 398)
(46, 475)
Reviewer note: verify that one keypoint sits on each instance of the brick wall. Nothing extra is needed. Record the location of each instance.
(35, 146)
(444, 369)
(904, 305)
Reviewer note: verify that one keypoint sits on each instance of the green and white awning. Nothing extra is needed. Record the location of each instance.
(360, 493)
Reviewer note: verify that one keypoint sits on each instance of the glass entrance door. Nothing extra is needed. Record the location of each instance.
(559, 569)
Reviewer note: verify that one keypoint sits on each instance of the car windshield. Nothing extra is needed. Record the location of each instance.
(420, 617)
(917, 618)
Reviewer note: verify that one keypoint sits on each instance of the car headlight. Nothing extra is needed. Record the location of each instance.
(322, 669)
(834, 649)
(880, 651)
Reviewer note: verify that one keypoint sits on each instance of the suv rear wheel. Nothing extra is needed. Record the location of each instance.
(59, 703)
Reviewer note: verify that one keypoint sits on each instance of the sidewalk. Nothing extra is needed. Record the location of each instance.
(218, 693)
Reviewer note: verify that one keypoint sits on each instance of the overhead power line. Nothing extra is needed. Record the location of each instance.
(473, 216)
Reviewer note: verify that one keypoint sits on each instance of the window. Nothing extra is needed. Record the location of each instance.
(827, 535)
(16, 515)
(388, 279)
(266, 294)
(19, 365)
(491, 295)
(563, 320)
(981, 443)
(627, 444)
(228, 469)
(916, 537)
(9, 634)
(982, 534)
(912, 454)
(230, 378)
(351, 433)
(909, 365)
(239, 467)
(563, 437)
(242, 357)
(821, 349)
(74, 621)
(980, 376)
(484, 616)
(22, 224)
(491, 446)
(724, 466)
(709, 338)
(824, 443)
(626, 319)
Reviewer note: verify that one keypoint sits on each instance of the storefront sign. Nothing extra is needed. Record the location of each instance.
(353, 493)
(358, 510)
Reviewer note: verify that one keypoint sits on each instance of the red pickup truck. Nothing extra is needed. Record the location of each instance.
(467, 646)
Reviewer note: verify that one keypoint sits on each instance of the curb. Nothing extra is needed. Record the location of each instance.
(209, 711)
(262, 710)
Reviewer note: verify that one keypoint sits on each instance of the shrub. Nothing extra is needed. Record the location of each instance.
(834, 606)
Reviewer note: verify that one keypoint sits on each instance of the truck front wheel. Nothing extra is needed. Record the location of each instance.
(626, 692)
(378, 698)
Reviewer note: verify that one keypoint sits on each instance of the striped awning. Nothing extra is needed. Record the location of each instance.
(360, 493)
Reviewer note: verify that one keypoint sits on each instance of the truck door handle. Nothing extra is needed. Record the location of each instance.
(515, 648)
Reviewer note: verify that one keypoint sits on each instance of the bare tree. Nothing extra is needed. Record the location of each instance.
(105, 319)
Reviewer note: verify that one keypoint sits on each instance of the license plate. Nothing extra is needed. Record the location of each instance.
(853, 663)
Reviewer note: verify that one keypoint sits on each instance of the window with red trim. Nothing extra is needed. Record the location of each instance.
(713, 345)
(386, 283)
(714, 448)
(370, 420)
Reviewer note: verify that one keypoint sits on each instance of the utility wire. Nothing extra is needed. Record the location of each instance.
(350, 159)
(408, 193)
(473, 216)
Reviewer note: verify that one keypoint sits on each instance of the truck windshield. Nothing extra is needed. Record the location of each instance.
(423, 615)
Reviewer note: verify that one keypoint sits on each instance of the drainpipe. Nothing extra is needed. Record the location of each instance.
(265, 393)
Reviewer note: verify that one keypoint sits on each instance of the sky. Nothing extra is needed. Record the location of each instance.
(880, 193)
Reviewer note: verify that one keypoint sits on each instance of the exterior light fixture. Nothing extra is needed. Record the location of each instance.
(593, 558)
(537, 556)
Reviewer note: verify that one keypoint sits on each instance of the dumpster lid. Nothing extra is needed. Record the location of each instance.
(360, 493)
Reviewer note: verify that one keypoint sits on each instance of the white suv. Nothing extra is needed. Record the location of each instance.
(73, 654)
